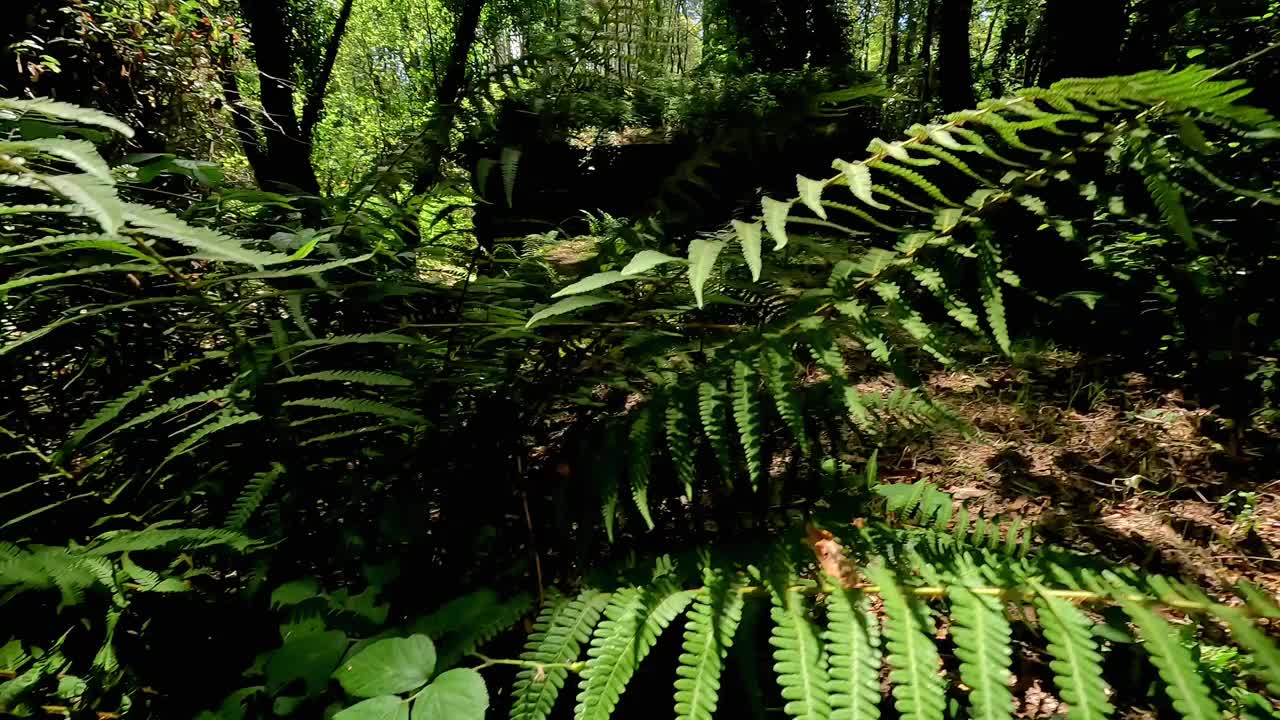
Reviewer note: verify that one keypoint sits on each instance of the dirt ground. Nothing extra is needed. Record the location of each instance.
(1126, 469)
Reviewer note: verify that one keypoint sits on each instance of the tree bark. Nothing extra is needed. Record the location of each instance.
(895, 17)
(926, 55)
(1082, 38)
(955, 71)
(448, 94)
(287, 163)
(1012, 42)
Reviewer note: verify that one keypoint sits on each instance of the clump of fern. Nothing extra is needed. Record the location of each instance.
(873, 598)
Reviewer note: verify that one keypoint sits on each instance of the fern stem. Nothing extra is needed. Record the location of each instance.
(573, 667)
(933, 592)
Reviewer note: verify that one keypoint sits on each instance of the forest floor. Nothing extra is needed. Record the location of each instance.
(1118, 467)
(1121, 467)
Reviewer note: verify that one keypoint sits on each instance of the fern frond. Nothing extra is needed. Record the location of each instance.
(709, 630)
(165, 538)
(252, 497)
(982, 638)
(746, 415)
(992, 295)
(775, 368)
(200, 398)
(354, 406)
(558, 635)
(680, 442)
(1077, 669)
(713, 412)
(1185, 687)
(799, 658)
(640, 458)
(913, 658)
(635, 620)
(65, 111)
(853, 644)
(352, 376)
(1169, 201)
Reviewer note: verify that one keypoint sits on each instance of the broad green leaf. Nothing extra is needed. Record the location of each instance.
(775, 219)
(310, 658)
(567, 305)
(749, 236)
(591, 282)
(811, 194)
(646, 260)
(458, 694)
(385, 707)
(702, 259)
(858, 175)
(390, 666)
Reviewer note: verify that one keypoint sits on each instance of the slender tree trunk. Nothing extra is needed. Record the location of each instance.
(955, 71)
(991, 31)
(1082, 38)
(448, 94)
(314, 108)
(1012, 42)
(895, 17)
(287, 150)
(913, 31)
(242, 121)
(926, 55)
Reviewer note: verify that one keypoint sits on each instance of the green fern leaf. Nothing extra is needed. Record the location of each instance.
(1077, 668)
(915, 179)
(80, 153)
(207, 244)
(858, 176)
(913, 659)
(992, 295)
(799, 659)
(709, 630)
(702, 260)
(1169, 201)
(510, 166)
(356, 377)
(853, 641)
(353, 406)
(713, 412)
(200, 398)
(219, 422)
(252, 496)
(746, 414)
(635, 620)
(589, 283)
(811, 194)
(66, 111)
(558, 635)
(1266, 658)
(1185, 687)
(982, 638)
(680, 442)
(775, 220)
(775, 368)
(640, 459)
(749, 237)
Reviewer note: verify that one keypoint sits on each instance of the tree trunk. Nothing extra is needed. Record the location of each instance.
(1012, 42)
(913, 31)
(926, 55)
(895, 17)
(315, 93)
(448, 94)
(287, 165)
(955, 71)
(1082, 38)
